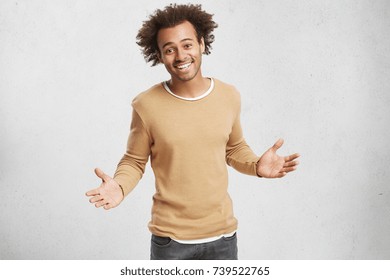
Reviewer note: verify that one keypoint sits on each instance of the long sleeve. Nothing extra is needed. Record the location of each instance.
(132, 165)
(238, 153)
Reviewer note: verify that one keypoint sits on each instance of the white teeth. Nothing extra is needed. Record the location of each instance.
(184, 66)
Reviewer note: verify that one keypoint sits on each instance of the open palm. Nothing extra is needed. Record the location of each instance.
(271, 165)
(108, 195)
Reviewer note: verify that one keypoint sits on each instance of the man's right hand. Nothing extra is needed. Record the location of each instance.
(108, 195)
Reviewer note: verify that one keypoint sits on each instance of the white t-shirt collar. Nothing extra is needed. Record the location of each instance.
(191, 98)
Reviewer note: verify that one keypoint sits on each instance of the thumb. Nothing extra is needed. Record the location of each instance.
(102, 175)
(278, 144)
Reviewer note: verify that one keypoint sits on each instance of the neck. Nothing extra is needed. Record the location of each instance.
(189, 89)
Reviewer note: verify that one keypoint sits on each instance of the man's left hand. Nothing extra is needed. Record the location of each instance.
(271, 165)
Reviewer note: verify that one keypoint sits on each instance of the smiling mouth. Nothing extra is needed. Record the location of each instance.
(183, 66)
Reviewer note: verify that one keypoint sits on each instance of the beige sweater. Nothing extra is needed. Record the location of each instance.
(189, 144)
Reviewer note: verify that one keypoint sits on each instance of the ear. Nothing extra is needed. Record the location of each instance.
(202, 46)
(159, 57)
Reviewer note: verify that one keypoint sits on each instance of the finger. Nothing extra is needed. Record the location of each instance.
(291, 157)
(278, 144)
(92, 192)
(102, 175)
(291, 163)
(96, 198)
(100, 203)
(289, 169)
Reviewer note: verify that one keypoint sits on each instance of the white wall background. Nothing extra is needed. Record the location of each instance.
(313, 72)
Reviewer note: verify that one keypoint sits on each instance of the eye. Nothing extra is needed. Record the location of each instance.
(169, 51)
(188, 46)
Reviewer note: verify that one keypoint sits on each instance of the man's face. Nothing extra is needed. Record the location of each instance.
(180, 51)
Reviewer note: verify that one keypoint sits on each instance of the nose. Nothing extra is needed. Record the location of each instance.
(181, 55)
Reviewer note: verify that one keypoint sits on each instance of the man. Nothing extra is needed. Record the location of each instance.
(190, 128)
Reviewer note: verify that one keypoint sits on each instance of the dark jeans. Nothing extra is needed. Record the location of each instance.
(164, 248)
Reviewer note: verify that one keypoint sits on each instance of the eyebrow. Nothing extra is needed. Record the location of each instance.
(169, 43)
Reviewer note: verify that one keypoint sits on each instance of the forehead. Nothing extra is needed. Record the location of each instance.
(176, 34)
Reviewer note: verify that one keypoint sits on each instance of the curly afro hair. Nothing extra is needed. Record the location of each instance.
(171, 16)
